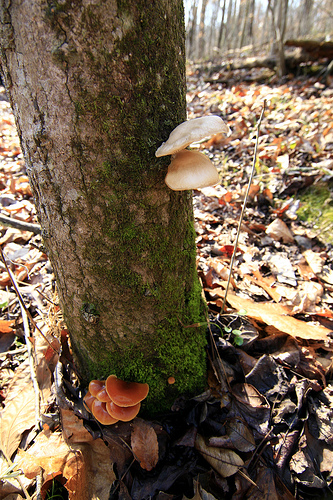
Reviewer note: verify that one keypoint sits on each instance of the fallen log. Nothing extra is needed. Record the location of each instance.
(314, 48)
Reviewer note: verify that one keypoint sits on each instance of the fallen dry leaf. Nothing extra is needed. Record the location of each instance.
(6, 326)
(144, 444)
(19, 412)
(86, 467)
(199, 493)
(277, 315)
(314, 260)
(225, 462)
(73, 428)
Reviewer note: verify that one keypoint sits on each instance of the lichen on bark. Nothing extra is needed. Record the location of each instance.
(96, 87)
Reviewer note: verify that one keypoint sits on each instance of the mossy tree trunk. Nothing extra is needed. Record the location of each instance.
(96, 86)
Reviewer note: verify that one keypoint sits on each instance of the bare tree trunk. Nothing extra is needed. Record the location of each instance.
(222, 27)
(95, 89)
(192, 31)
(265, 31)
(305, 18)
(212, 30)
(250, 33)
(234, 24)
(202, 42)
(283, 16)
(279, 28)
(243, 23)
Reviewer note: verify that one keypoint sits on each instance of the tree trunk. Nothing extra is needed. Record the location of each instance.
(202, 30)
(222, 26)
(243, 23)
(279, 29)
(96, 86)
(191, 31)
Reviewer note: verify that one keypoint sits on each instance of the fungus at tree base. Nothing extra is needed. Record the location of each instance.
(122, 403)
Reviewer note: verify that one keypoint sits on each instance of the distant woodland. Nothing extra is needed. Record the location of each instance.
(246, 28)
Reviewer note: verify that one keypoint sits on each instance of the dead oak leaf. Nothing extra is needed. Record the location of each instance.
(277, 315)
(144, 444)
(87, 467)
(6, 326)
(225, 462)
(17, 417)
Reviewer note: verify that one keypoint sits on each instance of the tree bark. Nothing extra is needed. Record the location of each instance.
(202, 30)
(222, 26)
(279, 29)
(191, 31)
(96, 86)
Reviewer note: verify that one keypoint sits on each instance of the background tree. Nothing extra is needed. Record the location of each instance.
(191, 31)
(279, 10)
(96, 86)
(235, 25)
(202, 29)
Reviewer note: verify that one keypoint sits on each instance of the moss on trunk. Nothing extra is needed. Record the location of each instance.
(103, 84)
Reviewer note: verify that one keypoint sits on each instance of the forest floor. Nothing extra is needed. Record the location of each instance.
(264, 427)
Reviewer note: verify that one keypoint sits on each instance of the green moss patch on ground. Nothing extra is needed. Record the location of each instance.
(317, 210)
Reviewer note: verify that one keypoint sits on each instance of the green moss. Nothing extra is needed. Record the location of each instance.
(317, 209)
(171, 354)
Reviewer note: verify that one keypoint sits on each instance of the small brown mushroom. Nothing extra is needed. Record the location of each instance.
(95, 386)
(88, 401)
(101, 414)
(103, 396)
(125, 393)
(123, 413)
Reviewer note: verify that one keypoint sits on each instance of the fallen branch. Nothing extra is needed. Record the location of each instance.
(21, 225)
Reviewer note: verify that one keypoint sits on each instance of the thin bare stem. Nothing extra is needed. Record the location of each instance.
(20, 298)
(33, 364)
(244, 206)
(26, 328)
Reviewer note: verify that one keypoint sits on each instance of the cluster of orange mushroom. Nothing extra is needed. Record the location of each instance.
(113, 399)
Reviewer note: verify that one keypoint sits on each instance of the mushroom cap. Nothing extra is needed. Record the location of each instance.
(192, 131)
(98, 409)
(190, 170)
(123, 413)
(95, 386)
(125, 393)
(103, 396)
(88, 401)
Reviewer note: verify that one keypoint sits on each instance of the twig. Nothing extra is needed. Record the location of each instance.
(243, 207)
(20, 298)
(20, 350)
(33, 364)
(31, 353)
(19, 224)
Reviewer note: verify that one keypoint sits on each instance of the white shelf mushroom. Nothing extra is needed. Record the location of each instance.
(190, 169)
